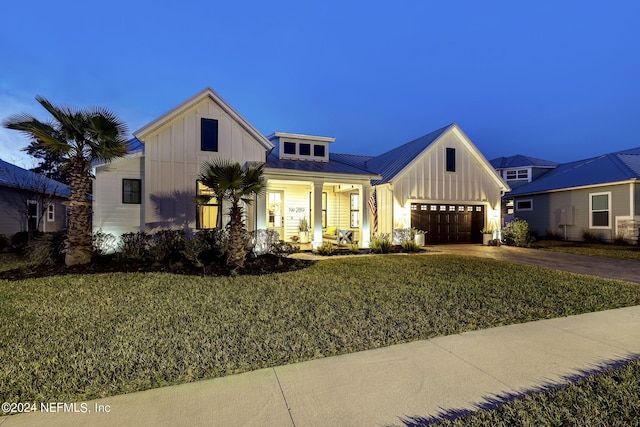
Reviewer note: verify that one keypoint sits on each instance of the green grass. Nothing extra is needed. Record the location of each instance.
(9, 261)
(611, 398)
(82, 337)
(631, 252)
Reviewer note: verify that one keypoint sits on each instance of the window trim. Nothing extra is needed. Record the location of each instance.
(608, 210)
(202, 140)
(304, 149)
(517, 174)
(519, 209)
(450, 159)
(355, 210)
(289, 144)
(199, 192)
(138, 200)
(51, 212)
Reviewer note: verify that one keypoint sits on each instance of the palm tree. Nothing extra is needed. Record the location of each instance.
(77, 138)
(234, 183)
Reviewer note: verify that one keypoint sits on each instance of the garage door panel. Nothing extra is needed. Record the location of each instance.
(448, 223)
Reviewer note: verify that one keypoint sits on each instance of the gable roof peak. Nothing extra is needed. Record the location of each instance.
(151, 127)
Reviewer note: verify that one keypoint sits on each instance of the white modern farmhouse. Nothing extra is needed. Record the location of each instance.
(439, 183)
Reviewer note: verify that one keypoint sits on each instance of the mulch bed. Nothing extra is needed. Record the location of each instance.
(264, 264)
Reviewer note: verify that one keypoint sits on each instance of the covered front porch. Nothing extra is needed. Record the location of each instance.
(310, 211)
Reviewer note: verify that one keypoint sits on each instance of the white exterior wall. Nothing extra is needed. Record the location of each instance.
(427, 179)
(173, 159)
(109, 213)
(385, 198)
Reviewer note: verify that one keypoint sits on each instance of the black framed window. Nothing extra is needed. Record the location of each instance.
(132, 191)
(208, 135)
(208, 213)
(289, 148)
(318, 150)
(305, 149)
(451, 159)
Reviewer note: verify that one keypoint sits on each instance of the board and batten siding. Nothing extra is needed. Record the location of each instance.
(546, 214)
(426, 179)
(109, 213)
(173, 160)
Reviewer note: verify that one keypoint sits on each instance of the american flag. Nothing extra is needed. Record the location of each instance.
(373, 205)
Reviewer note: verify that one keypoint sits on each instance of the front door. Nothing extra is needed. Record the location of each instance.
(32, 216)
(275, 212)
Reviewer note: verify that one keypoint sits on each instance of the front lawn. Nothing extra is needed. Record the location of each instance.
(631, 252)
(80, 337)
(611, 398)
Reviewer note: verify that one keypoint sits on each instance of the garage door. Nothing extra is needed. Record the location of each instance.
(448, 223)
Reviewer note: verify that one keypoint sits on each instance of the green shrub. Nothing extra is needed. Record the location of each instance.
(619, 240)
(216, 242)
(354, 248)
(103, 243)
(325, 249)
(283, 249)
(166, 244)
(381, 244)
(590, 237)
(402, 235)
(410, 246)
(47, 248)
(517, 233)
(19, 241)
(193, 250)
(4, 242)
(133, 245)
(554, 235)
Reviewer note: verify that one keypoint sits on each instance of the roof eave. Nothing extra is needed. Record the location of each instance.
(281, 172)
(153, 126)
(577, 187)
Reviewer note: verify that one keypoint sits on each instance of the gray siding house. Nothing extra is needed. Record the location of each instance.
(29, 201)
(599, 195)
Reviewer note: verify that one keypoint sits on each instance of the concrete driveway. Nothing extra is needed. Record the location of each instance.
(610, 268)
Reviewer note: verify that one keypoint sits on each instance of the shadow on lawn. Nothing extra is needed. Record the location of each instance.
(491, 403)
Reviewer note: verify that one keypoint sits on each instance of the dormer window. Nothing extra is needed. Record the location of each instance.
(289, 148)
(294, 146)
(517, 174)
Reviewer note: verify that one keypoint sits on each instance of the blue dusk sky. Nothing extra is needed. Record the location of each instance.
(558, 80)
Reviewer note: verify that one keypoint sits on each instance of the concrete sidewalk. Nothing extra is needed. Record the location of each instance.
(377, 387)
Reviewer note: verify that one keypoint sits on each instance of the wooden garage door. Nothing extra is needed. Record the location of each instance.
(448, 223)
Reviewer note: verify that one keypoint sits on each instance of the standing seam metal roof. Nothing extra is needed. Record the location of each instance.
(613, 167)
(389, 164)
(17, 177)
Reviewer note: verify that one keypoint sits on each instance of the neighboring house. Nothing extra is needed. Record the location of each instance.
(440, 182)
(517, 171)
(29, 201)
(600, 195)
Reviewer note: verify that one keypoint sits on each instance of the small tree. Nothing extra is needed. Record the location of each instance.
(77, 138)
(233, 183)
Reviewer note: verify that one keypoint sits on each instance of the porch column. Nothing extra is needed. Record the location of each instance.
(316, 208)
(365, 233)
(260, 210)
